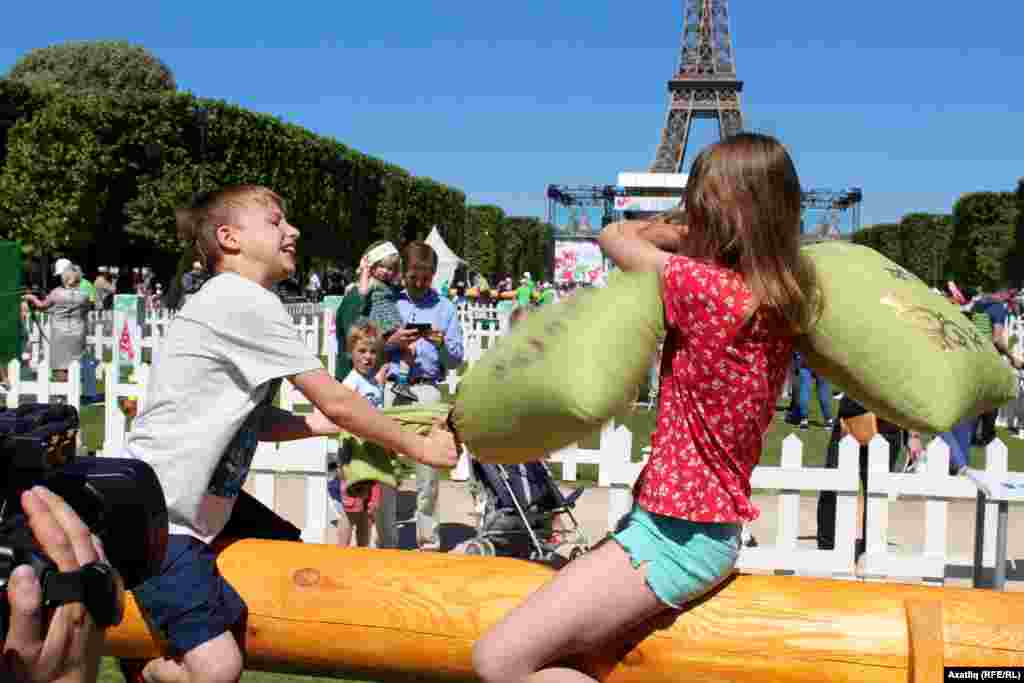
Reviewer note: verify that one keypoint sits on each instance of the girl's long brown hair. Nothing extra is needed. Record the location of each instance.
(743, 204)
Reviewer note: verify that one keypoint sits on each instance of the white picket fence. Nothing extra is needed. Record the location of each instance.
(279, 471)
(282, 474)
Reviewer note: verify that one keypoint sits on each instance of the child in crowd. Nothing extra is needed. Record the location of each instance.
(736, 292)
(380, 277)
(210, 398)
(367, 482)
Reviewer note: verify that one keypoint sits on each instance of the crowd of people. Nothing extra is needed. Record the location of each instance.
(736, 293)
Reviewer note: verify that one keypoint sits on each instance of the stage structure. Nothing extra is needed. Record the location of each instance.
(830, 214)
(578, 213)
(705, 84)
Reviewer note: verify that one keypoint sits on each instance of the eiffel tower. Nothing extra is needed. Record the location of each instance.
(705, 84)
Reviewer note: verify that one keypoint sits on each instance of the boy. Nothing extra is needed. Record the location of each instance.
(209, 403)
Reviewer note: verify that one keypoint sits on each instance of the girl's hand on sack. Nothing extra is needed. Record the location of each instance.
(439, 448)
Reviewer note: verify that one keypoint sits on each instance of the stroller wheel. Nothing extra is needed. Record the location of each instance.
(576, 553)
(479, 546)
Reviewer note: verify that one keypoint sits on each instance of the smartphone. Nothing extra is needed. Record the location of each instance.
(422, 328)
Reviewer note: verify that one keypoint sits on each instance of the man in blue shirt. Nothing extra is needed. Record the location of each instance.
(436, 353)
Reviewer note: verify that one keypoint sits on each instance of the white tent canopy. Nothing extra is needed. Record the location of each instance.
(447, 260)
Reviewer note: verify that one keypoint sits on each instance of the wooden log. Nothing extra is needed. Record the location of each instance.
(398, 614)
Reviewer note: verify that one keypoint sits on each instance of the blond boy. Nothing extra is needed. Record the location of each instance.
(209, 403)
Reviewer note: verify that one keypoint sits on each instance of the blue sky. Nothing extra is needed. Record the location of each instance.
(915, 102)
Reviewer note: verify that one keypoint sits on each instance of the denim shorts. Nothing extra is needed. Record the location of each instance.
(189, 603)
(683, 559)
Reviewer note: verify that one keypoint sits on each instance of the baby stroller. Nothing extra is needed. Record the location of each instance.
(517, 506)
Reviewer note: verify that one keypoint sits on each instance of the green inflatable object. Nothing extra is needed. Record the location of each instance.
(562, 373)
(901, 350)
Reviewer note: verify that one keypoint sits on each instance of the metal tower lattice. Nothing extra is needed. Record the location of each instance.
(705, 83)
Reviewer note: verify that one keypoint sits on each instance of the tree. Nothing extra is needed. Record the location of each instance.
(890, 244)
(925, 242)
(983, 236)
(102, 65)
(483, 224)
(97, 176)
(1015, 267)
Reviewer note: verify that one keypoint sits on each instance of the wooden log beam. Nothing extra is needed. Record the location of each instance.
(398, 614)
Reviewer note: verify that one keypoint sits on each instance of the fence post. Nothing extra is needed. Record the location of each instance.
(789, 499)
(330, 313)
(14, 381)
(996, 463)
(936, 511)
(567, 457)
(127, 346)
(617, 472)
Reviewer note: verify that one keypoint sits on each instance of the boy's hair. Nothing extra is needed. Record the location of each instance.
(419, 252)
(743, 206)
(197, 224)
(363, 331)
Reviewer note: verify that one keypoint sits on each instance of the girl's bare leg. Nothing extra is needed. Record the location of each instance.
(572, 615)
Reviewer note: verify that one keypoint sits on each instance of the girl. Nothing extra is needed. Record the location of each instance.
(735, 293)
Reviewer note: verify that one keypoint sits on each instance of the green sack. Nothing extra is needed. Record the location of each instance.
(366, 462)
(897, 347)
(561, 373)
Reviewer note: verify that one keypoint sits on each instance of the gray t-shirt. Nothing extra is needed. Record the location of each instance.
(220, 364)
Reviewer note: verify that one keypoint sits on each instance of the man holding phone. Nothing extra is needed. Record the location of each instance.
(433, 332)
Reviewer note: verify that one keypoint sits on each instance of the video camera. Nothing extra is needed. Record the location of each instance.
(119, 499)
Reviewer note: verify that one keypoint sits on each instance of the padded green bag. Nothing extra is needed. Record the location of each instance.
(897, 347)
(561, 373)
(369, 462)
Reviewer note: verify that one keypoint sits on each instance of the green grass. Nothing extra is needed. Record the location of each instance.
(110, 673)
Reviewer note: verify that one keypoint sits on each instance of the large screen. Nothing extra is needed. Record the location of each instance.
(579, 261)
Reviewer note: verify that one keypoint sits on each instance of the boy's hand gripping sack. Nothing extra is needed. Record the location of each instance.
(901, 350)
(561, 373)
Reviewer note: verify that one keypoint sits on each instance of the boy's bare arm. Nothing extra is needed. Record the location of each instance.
(281, 425)
(350, 411)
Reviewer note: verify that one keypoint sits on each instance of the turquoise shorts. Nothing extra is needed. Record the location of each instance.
(684, 559)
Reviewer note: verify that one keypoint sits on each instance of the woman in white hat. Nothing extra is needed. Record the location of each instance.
(70, 307)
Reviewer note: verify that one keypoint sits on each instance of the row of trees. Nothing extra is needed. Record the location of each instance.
(980, 245)
(99, 148)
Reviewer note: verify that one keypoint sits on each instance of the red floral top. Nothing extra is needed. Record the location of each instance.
(720, 377)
